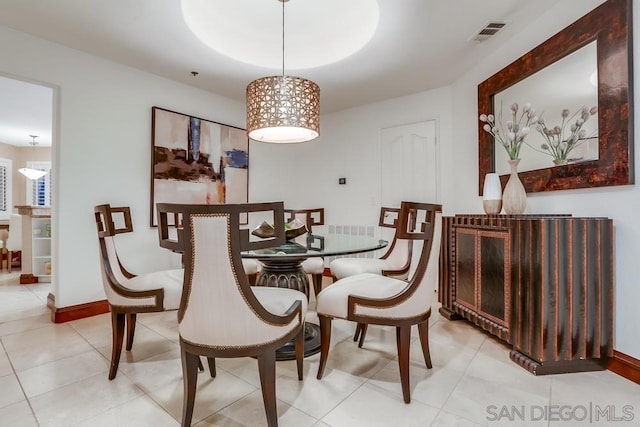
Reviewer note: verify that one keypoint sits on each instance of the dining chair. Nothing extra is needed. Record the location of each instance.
(14, 240)
(394, 262)
(6, 254)
(220, 314)
(369, 298)
(129, 294)
(315, 265)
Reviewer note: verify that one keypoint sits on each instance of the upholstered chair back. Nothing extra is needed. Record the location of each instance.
(114, 275)
(216, 290)
(14, 240)
(421, 225)
(399, 252)
(426, 278)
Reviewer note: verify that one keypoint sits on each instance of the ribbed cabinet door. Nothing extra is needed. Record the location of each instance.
(466, 278)
(493, 292)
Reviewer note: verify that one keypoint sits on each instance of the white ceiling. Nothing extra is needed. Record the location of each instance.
(418, 44)
(25, 109)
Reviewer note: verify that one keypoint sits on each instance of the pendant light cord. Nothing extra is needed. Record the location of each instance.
(283, 2)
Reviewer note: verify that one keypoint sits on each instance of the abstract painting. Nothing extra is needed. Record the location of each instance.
(196, 161)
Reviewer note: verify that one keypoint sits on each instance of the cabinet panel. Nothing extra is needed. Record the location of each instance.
(483, 276)
(494, 276)
(466, 268)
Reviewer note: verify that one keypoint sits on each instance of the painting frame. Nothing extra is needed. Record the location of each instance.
(196, 161)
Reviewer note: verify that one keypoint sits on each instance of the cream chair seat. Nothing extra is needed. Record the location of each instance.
(315, 267)
(169, 280)
(395, 261)
(129, 294)
(251, 268)
(220, 314)
(334, 302)
(345, 267)
(369, 298)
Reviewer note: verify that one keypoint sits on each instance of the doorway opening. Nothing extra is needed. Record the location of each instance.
(26, 116)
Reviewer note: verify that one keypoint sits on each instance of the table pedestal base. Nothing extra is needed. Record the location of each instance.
(284, 275)
(291, 275)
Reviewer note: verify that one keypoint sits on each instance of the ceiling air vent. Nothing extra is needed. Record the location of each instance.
(488, 30)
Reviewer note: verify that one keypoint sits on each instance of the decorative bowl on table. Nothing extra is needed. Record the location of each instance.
(292, 229)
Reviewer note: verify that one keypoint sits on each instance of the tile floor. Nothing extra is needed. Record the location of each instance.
(56, 375)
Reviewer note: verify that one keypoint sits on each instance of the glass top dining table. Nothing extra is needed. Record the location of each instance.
(318, 245)
(282, 267)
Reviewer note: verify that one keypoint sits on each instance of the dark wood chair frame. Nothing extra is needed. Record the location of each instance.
(403, 326)
(313, 217)
(395, 214)
(238, 241)
(121, 315)
(385, 212)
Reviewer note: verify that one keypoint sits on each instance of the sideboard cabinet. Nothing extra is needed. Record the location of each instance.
(543, 284)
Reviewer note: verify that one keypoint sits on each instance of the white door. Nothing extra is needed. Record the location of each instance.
(408, 163)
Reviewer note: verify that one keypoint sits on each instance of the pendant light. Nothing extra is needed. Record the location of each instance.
(29, 172)
(283, 109)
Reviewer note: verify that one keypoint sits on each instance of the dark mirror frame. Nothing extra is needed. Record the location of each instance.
(609, 24)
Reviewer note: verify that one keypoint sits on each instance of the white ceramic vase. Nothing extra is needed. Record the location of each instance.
(492, 194)
(514, 197)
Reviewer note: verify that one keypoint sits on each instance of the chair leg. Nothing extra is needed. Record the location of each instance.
(363, 333)
(117, 336)
(267, 370)
(317, 283)
(212, 366)
(131, 329)
(252, 279)
(189, 381)
(300, 351)
(356, 335)
(200, 365)
(325, 341)
(403, 340)
(423, 332)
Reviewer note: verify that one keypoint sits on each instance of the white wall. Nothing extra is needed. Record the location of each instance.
(103, 140)
(619, 203)
(306, 175)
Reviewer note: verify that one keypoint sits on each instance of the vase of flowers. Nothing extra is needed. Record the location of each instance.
(511, 135)
(561, 140)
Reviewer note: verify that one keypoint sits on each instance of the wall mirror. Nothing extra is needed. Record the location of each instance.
(591, 61)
